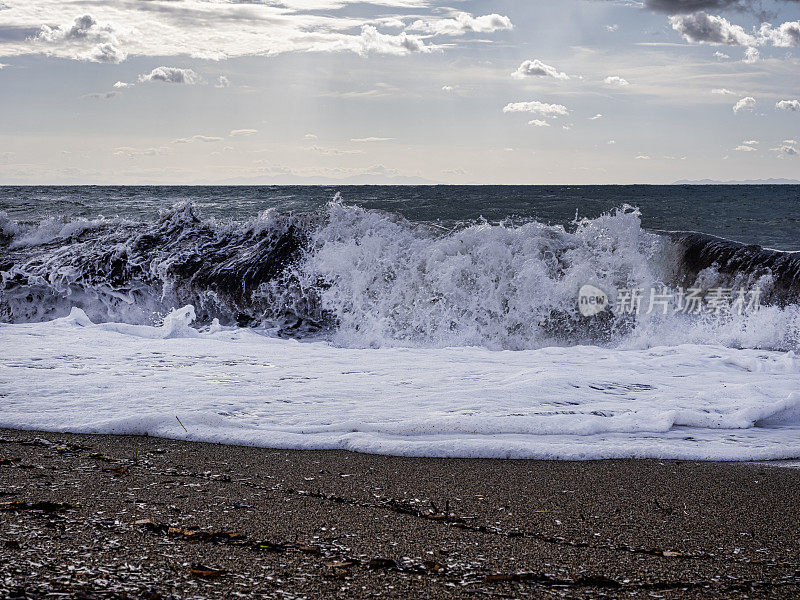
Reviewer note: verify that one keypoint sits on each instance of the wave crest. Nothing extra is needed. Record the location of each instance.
(370, 278)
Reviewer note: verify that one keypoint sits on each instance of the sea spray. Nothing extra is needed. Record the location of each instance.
(368, 278)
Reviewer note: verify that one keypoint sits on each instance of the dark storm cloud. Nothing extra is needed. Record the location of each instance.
(682, 7)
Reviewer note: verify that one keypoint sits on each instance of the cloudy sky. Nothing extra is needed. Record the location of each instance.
(282, 91)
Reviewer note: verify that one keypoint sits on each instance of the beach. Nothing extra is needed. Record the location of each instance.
(101, 516)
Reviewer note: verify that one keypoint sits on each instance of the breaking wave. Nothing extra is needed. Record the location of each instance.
(364, 278)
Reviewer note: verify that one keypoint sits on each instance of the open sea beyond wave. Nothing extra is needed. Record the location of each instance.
(427, 321)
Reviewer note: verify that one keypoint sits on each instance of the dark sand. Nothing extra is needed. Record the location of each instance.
(155, 518)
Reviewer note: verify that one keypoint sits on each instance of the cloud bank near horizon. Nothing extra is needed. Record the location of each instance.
(113, 30)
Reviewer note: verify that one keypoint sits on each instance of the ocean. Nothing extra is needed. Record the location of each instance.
(568, 322)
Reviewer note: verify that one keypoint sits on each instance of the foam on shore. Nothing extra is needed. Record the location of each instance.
(238, 386)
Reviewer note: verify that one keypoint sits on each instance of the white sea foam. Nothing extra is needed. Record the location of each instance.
(389, 283)
(234, 385)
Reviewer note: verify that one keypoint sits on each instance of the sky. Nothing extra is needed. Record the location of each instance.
(398, 91)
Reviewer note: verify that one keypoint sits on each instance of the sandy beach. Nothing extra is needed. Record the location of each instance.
(119, 516)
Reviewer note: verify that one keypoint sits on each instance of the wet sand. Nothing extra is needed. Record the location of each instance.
(119, 516)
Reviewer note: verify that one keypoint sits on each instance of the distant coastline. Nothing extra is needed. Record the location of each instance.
(742, 182)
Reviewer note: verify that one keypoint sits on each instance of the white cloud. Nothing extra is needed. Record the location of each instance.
(536, 107)
(751, 55)
(447, 88)
(214, 30)
(611, 142)
(751, 142)
(461, 24)
(197, 138)
(222, 82)
(85, 38)
(723, 92)
(391, 22)
(790, 105)
(703, 28)
(616, 80)
(171, 75)
(747, 103)
(597, 116)
(334, 151)
(744, 148)
(132, 153)
(122, 84)
(536, 68)
(381, 170)
(643, 157)
(242, 132)
(3, 66)
(371, 40)
(787, 148)
(720, 55)
(309, 136)
(538, 123)
(785, 35)
(612, 28)
(367, 140)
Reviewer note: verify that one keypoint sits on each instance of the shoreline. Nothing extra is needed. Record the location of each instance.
(96, 516)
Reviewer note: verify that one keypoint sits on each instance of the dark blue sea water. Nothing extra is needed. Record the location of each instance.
(768, 215)
(495, 265)
(121, 307)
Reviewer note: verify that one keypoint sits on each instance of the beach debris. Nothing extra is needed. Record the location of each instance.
(103, 457)
(26, 442)
(341, 564)
(433, 566)
(269, 546)
(552, 580)
(385, 564)
(149, 525)
(195, 534)
(44, 506)
(67, 448)
(199, 570)
(597, 581)
(192, 534)
(119, 470)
